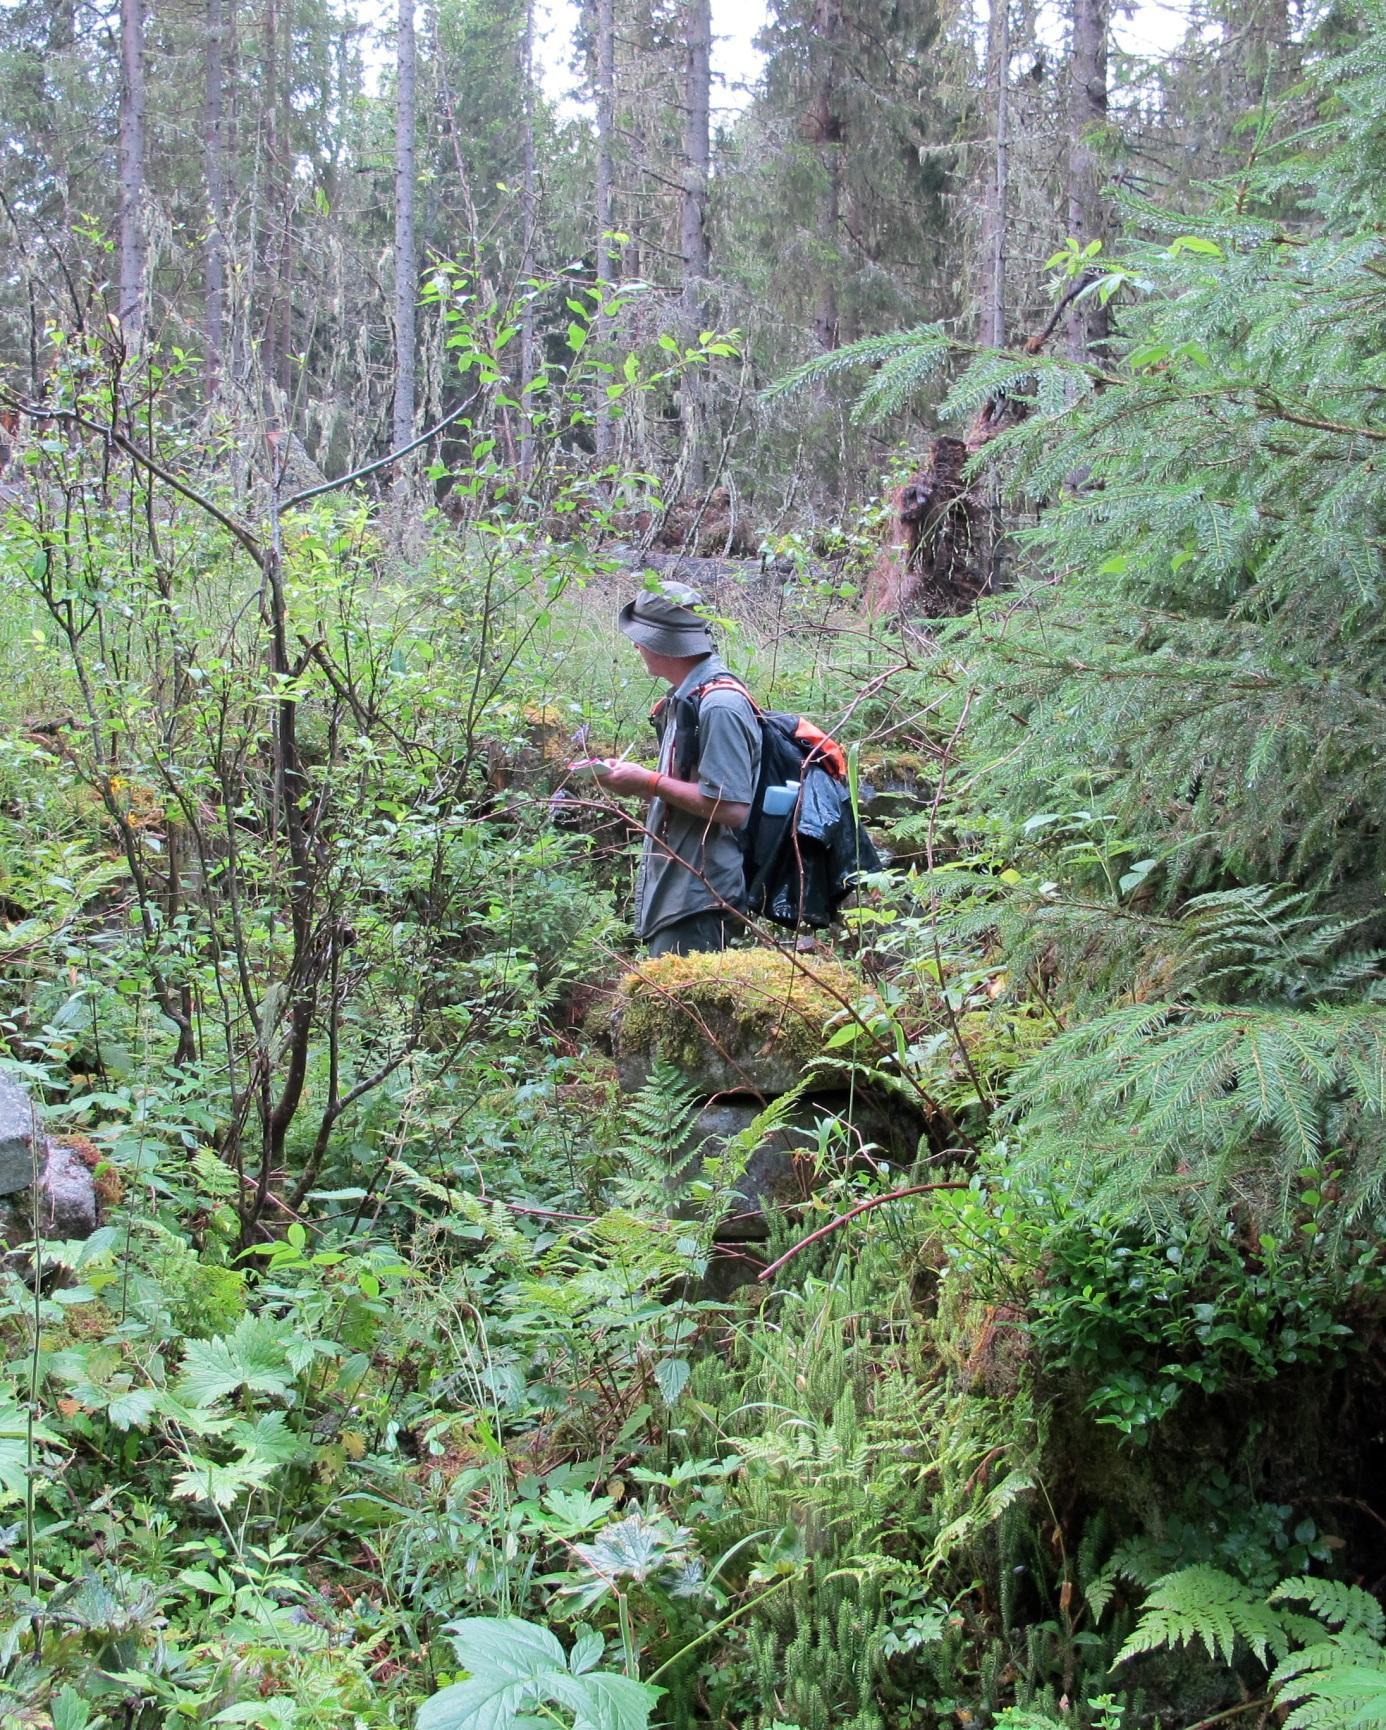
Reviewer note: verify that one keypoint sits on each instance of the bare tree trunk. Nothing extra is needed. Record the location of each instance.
(527, 253)
(274, 218)
(1087, 112)
(130, 303)
(693, 224)
(608, 264)
(214, 158)
(1261, 58)
(406, 268)
(826, 132)
(995, 207)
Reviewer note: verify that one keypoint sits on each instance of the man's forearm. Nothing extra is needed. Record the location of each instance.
(687, 796)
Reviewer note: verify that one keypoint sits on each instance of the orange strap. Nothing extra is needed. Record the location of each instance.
(727, 683)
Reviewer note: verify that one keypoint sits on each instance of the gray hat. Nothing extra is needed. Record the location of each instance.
(666, 623)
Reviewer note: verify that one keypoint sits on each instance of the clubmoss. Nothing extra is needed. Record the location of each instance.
(757, 1000)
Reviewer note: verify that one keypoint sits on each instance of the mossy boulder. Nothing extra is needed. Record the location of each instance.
(742, 1021)
(898, 789)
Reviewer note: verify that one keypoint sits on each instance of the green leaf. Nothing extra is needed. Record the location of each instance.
(223, 1486)
(504, 1647)
(588, 1651)
(269, 1439)
(1197, 244)
(612, 1702)
(255, 1356)
(14, 1449)
(132, 1409)
(277, 1710)
(632, 1546)
(1148, 354)
(514, 1666)
(672, 1376)
(69, 1710)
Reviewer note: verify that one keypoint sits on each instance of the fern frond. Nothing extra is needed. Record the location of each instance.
(1337, 1603)
(1324, 1654)
(661, 1113)
(1204, 1605)
(1341, 1696)
(1137, 1562)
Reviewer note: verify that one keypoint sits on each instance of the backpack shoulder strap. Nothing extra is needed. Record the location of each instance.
(726, 682)
(686, 718)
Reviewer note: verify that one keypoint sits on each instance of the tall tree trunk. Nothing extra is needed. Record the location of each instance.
(406, 267)
(995, 205)
(826, 131)
(214, 159)
(528, 213)
(1264, 60)
(697, 95)
(1087, 113)
(130, 307)
(608, 263)
(274, 215)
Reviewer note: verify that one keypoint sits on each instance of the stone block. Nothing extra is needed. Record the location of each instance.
(67, 1195)
(16, 1131)
(67, 1201)
(747, 1021)
(780, 1172)
(777, 1172)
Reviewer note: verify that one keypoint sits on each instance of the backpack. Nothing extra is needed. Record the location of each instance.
(802, 845)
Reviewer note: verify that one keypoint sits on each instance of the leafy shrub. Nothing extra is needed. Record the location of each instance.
(1142, 1319)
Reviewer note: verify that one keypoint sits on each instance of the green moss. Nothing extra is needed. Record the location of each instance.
(1002, 1037)
(762, 998)
(900, 769)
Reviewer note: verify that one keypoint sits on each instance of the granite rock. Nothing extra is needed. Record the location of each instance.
(66, 1197)
(778, 1172)
(781, 1172)
(16, 1132)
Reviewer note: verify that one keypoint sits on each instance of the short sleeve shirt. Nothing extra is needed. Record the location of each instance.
(690, 865)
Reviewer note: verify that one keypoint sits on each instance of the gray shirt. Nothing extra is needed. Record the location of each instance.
(689, 864)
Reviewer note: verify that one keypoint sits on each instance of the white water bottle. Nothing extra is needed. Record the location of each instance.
(779, 801)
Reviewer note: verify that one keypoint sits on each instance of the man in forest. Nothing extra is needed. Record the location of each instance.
(692, 883)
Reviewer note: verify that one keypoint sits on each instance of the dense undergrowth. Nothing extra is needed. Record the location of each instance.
(390, 1382)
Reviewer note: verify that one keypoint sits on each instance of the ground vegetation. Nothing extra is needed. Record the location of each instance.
(398, 1382)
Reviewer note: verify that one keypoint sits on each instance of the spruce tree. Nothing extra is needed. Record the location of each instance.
(1181, 711)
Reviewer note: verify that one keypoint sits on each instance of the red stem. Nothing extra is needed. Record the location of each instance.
(842, 1218)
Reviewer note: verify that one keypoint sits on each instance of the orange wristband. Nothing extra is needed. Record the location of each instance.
(654, 786)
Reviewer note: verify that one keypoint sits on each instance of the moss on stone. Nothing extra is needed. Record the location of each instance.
(914, 769)
(757, 999)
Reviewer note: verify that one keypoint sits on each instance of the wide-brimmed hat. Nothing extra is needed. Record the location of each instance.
(663, 620)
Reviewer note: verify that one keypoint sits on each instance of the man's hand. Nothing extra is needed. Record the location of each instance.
(615, 775)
